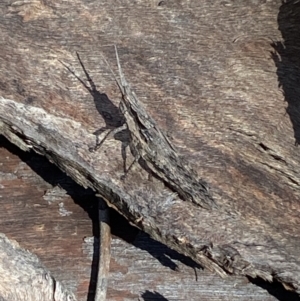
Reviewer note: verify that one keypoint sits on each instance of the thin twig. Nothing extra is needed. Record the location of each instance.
(104, 251)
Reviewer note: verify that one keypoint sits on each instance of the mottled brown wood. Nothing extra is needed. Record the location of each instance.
(61, 236)
(205, 72)
(40, 209)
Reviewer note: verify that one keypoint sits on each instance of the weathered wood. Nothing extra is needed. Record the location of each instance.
(104, 255)
(23, 277)
(55, 218)
(49, 214)
(209, 86)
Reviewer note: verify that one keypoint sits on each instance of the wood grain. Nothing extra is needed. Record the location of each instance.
(209, 74)
(23, 276)
(140, 267)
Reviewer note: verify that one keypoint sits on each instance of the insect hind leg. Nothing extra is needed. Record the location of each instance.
(110, 133)
(136, 159)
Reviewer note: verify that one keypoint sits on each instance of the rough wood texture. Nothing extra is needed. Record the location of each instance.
(49, 215)
(205, 72)
(105, 252)
(55, 218)
(23, 277)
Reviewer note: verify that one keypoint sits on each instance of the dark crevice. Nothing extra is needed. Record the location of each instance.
(287, 60)
(264, 147)
(277, 158)
(86, 199)
(269, 150)
(293, 181)
(275, 289)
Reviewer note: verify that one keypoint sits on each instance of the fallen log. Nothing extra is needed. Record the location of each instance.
(215, 92)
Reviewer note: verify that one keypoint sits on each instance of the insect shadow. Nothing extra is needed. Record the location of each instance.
(114, 121)
(149, 296)
(85, 198)
(110, 113)
(163, 254)
(287, 61)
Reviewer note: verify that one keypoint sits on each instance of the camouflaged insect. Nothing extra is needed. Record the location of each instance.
(153, 147)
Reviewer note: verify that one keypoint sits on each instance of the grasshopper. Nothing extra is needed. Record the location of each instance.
(149, 144)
